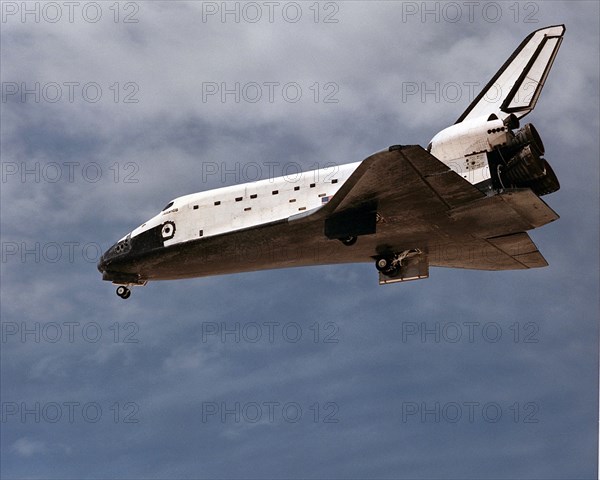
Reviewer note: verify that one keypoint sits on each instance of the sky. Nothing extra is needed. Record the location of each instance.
(109, 110)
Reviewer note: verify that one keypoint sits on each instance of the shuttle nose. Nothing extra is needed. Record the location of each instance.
(114, 258)
(117, 265)
(101, 264)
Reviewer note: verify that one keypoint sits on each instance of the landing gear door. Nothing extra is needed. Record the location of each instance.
(415, 268)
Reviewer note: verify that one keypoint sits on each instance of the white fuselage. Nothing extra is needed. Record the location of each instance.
(227, 209)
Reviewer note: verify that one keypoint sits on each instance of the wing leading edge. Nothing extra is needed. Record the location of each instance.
(405, 175)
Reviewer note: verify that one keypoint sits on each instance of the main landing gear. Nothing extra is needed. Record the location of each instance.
(391, 265)
(123, 292)
(349, 241)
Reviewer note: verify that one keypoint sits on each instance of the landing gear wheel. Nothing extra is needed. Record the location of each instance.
(389, 266)
(123, 292)
(383, 264)
(349, 241)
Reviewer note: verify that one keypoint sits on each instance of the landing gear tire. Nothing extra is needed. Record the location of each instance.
(123, 292)
(383, 264)
(349, 241)
(388, 266)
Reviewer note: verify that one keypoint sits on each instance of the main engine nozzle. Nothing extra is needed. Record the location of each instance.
(528, 135)
(525, 167)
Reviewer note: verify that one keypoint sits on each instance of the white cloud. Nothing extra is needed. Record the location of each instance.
(26, 447)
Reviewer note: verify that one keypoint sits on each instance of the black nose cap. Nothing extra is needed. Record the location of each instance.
(101, 265)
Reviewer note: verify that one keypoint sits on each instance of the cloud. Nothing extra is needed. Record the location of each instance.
(28, 448)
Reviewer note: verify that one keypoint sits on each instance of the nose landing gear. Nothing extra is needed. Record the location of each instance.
(123, 292)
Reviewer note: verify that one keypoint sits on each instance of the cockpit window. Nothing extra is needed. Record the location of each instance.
(169, 205)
